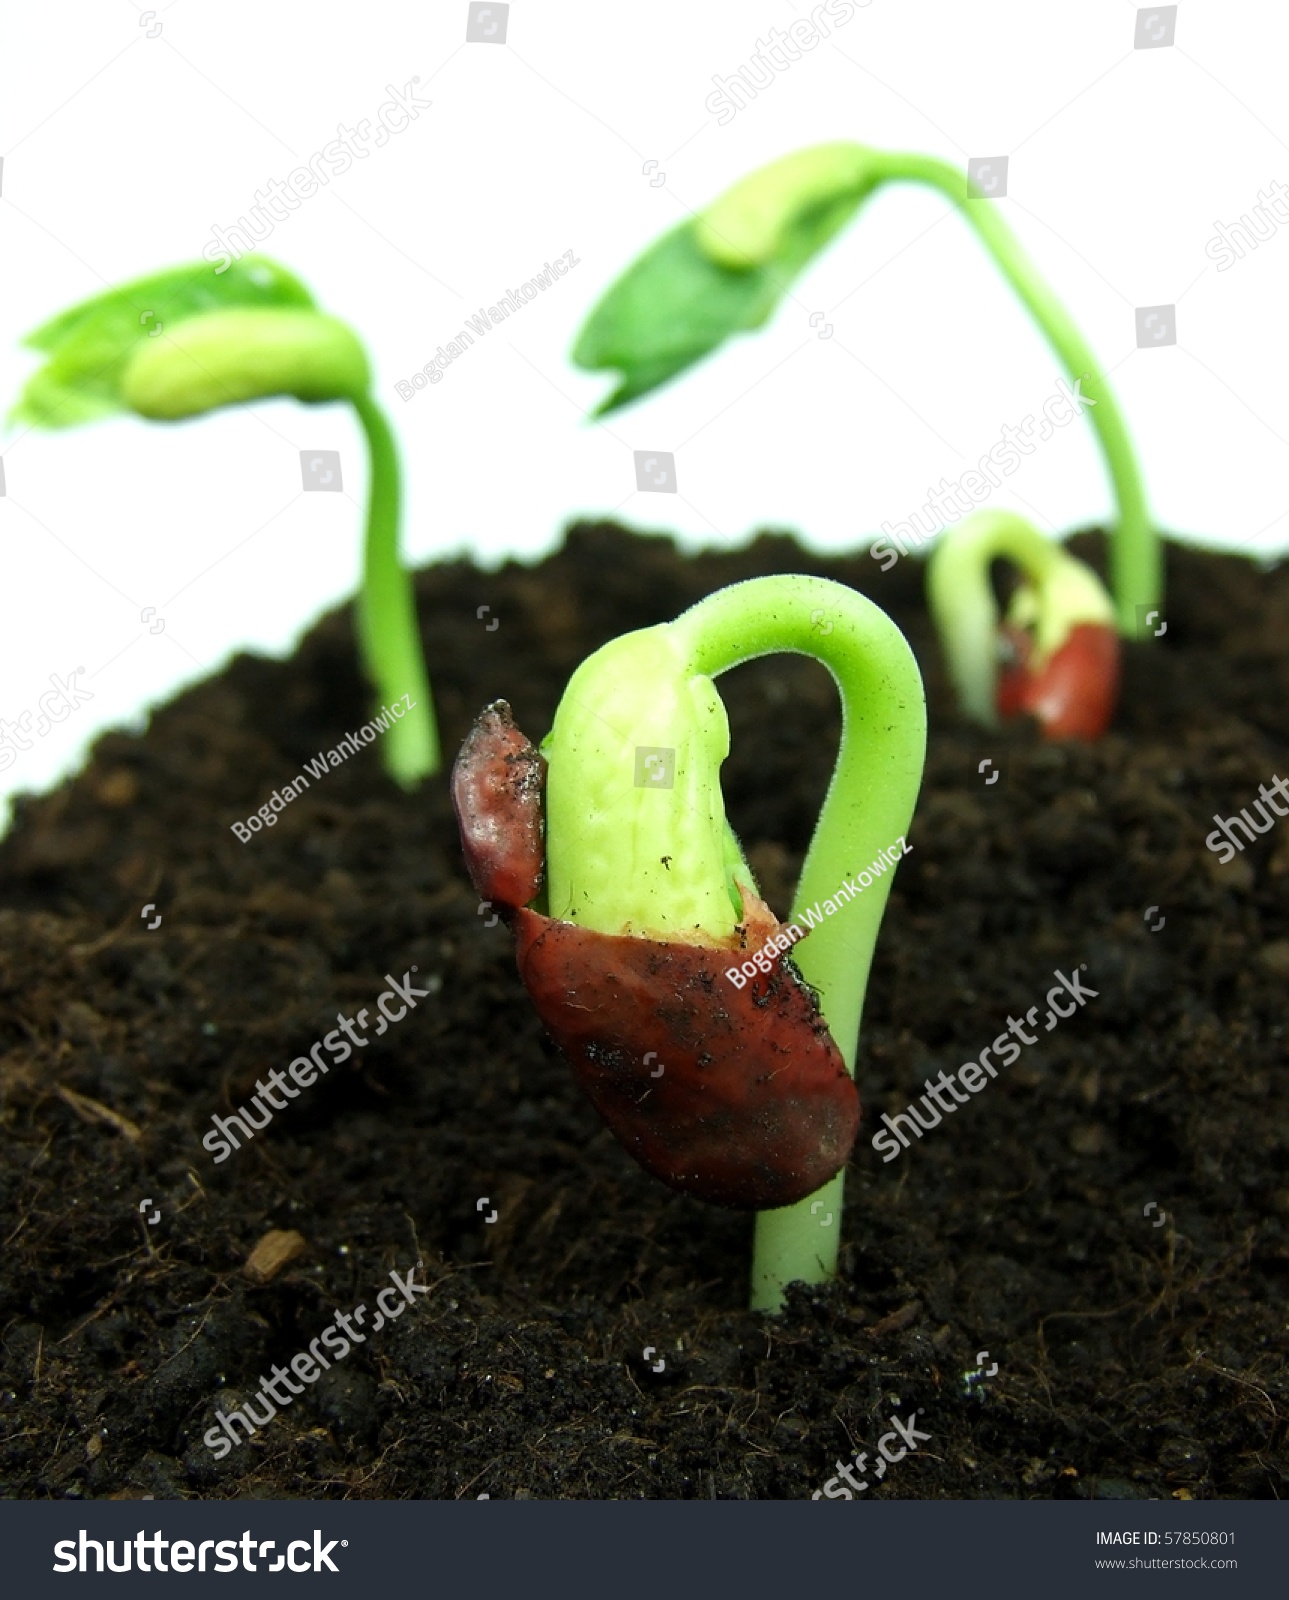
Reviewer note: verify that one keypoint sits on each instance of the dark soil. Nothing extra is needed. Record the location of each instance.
(1133, 1359)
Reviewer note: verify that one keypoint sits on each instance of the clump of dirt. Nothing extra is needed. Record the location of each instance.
(1108, 1222)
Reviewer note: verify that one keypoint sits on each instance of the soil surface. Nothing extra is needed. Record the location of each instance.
(1107, 1224)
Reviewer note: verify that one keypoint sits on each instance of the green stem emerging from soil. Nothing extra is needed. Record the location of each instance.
(630, 852)
(1062, 590)
(388, 634)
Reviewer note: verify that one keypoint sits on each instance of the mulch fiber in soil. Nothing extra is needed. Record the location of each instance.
(1107, 1224)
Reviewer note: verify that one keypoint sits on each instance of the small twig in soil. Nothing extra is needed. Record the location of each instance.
(95, 1111)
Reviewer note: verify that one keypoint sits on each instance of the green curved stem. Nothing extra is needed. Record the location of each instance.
(607, 834)
(1135, 560)
(777, 217)
(868, 806)
(388, 634)
(966, 615)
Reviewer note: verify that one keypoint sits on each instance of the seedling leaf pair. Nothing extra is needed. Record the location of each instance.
(90, 345)
(724, 272)
(180, 343)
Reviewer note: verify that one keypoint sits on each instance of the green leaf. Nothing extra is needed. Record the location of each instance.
(669, 309)
(89, 344)
(722, 274)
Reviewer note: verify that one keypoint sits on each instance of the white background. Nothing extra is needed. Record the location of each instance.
(122, 150)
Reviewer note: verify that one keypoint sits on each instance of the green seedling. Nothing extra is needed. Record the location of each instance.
(1056, 655)
(726, 270)
(722, 1064)
(184, 342)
